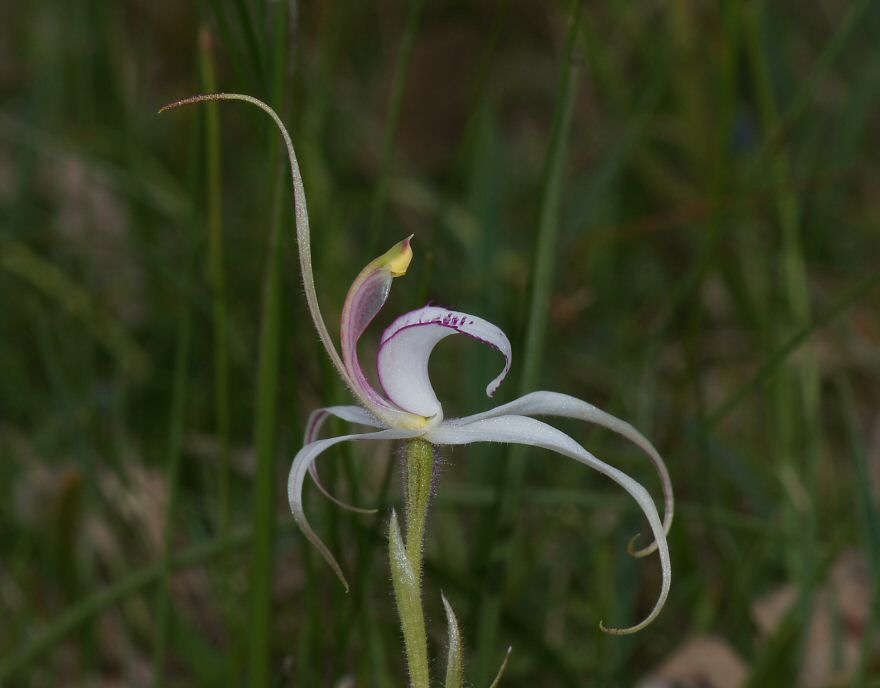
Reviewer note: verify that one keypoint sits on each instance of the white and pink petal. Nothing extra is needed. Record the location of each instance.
(406, 346)
(366, 297)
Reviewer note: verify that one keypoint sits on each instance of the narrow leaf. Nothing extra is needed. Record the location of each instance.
(503, 668)
(409, 605)
(454, 671)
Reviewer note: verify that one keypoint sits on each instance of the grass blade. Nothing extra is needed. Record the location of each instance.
(217, 273)
(510, 484)
(377, 206)
(265, 422)
(175, 441)
(265, 426)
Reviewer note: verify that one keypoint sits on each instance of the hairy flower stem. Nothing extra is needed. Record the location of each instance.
(406, 558)
(419, 468)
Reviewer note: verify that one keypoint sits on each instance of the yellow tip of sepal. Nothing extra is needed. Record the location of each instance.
(398, 257)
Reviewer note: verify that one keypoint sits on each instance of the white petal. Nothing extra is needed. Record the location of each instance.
(565, 406)
(406, 347)
(524, 430)
(352, 414)
(403, 369)
(301, 463)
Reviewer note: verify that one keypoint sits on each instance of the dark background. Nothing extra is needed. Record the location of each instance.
(713, 241)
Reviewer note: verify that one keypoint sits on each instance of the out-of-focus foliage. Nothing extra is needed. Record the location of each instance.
(713, 282)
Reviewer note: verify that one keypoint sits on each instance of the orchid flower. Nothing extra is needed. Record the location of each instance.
(406, 407)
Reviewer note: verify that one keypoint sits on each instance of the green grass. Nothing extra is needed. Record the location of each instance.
(670, 210)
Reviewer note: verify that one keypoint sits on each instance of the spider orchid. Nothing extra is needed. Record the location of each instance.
(407, 407)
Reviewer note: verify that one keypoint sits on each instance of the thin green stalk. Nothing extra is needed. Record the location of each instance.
(262, 565)
(236, 58)
(245, 21)
(219, 299)
(377, 206)
(406, 558)
(175, 441)
(176, 424)
(265, 422)
(510, 484)
(796, 392)
(419, 471)
(217, 275)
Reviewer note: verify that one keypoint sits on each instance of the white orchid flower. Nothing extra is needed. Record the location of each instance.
(407, 406)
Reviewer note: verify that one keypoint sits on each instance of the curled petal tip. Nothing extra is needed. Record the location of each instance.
(640, 553)
(618, 631)
(631, 546)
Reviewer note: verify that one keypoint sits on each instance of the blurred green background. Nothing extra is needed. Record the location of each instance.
(671, 208)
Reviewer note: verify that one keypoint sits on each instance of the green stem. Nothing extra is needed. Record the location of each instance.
(406, 559)
(217, 274)
(220, 320)
(178, 408)
(511, 482)
(265, 427)
(796, 391)
(266, 420)
(377, 206)
(419, 469)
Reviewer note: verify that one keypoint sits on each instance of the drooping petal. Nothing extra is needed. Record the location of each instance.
(524, 430)
(365, 299)
(352, 414)
(565, 406)
(300, 467)
(406, 347)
